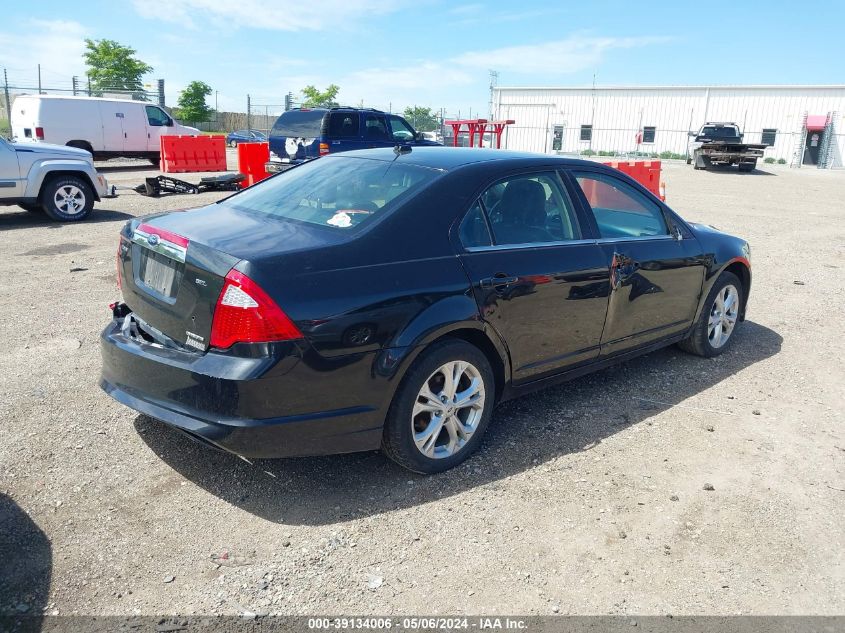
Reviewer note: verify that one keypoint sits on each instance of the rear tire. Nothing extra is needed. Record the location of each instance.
(233, 143)
(67, 198)
(713, 332)
(746, 167)
(427, 429)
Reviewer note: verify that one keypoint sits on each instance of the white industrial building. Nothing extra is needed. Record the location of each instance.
(802, 125)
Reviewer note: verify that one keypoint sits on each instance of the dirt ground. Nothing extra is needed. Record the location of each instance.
(587, 498)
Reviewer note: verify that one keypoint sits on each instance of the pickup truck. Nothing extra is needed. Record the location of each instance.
(721, 144)
(61, 181)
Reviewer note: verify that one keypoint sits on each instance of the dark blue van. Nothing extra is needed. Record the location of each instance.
(307, 133)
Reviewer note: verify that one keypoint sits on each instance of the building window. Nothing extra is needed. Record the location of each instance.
(557, 138)
(769, 135)
(586, 132)
(648, 134)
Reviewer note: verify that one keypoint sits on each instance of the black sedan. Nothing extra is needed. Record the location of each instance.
(245, 136)
(391, 298)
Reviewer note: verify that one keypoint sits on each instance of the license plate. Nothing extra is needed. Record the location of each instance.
(159, 273)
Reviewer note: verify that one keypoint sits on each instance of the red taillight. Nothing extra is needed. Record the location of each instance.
(324, 149)
(39, 133)
(246, 314)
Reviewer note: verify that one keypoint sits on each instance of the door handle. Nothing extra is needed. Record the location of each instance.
(499, 280)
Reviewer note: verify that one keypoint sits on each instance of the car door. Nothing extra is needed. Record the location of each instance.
(11, 185)
(157, 123)
(537, 274)
(344, 131)
(656, 269)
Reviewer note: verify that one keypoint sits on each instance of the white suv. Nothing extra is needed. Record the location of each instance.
(58, 180)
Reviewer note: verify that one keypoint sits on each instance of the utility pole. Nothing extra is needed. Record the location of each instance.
(39, 78)
(89, 85)
(8, 101)
(248, 110)
(75, 84)
(494, 81)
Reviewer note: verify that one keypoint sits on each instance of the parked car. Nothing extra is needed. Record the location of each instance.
(245, 136)
(390, 298)
(57, 180)
(305, 133)
(107, 128)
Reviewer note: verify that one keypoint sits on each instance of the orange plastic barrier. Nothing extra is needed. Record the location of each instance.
(180, 154)
(251, 160)
(647, 173)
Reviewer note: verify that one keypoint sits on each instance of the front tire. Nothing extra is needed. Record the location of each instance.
(718, 320)
(233, 143)
(67, 198)
(442, 408)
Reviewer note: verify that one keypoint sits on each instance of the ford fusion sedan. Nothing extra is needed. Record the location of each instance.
(391, 298)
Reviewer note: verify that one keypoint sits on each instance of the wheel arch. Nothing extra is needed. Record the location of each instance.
(742, 270)
(81, 144)
(52, 175)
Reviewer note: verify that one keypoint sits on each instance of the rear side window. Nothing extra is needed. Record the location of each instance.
(344, 124)
(339, 193)
(375, 127)
(620, 210)
(299, 123)
(523, 209)
(474, 231)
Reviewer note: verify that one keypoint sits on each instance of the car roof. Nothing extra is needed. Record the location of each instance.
(448, 158)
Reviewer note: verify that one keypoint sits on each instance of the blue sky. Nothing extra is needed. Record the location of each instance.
(429, 52)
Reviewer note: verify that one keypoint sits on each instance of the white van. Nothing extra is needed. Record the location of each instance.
(105, 127)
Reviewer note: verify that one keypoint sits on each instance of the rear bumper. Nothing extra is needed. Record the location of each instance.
(272, 406)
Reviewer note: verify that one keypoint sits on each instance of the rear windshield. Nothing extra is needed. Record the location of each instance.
(299, 123)
(340, 193)
(711, 131)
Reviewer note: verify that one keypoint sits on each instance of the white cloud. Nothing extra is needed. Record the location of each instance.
(304, 15)
(55, 44)
(575, 53)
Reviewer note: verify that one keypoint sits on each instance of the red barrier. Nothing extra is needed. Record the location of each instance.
(251, 160)
(180, 154)
(647, 173)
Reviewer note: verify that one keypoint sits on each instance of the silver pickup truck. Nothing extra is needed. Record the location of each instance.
(58, 180)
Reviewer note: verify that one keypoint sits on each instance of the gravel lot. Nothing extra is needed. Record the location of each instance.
(587, 498)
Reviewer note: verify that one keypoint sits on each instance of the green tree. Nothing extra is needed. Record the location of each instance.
(423, 119)
(315, 98)
(113, 66)
(191, 105)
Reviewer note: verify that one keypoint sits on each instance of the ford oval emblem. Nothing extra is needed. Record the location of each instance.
(152, 240)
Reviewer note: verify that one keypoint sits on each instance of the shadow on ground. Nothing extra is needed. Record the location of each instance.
(17, 218)
(569, 418)
(731, 169)
(25, 569)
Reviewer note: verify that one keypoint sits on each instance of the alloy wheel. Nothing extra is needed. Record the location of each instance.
(723, 316)
(69, 199)
(448, 409)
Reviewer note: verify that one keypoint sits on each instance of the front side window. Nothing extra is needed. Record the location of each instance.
(344, 124)
(530, 209)
(620, 210)
(157, 117)
(375, 127)
(399, 129)
(340, 193)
